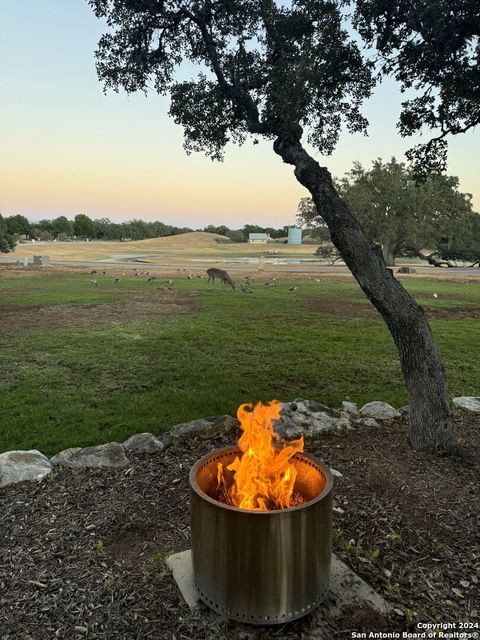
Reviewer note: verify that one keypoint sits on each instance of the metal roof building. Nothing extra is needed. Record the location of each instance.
(258, 237)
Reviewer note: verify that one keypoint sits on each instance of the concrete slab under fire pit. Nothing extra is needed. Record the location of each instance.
(347, 589)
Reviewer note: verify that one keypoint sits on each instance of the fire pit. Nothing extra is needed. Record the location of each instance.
(268, 564)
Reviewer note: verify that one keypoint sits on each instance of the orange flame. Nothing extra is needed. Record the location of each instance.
(264, 479)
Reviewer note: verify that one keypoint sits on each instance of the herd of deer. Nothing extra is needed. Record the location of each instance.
(245, 286)
(212, 274)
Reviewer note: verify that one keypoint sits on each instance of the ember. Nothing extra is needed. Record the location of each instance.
(264, 478)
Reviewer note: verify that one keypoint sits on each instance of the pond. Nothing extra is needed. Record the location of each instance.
(247, 260)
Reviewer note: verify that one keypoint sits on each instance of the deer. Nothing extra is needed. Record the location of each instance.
(220, 273)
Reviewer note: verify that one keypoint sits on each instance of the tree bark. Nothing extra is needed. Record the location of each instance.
(388, 255)
(431, 425)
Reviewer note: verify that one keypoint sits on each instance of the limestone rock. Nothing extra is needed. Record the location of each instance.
(315, 407)
(323, 422)
(165, 437)
(350, 407)
(379, 411)
(369, 422)
(471, 403)
(349, 590)
(301, 420)
(17, 466)
(204, 427)
(307, 417)
(110, 455)
(292, 433)
(307, 408)
(143, 443)
(288, 429)
(300, 406)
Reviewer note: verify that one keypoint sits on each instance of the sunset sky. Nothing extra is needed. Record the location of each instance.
(66, 148)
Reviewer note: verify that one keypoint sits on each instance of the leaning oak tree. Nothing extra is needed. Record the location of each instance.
(291, 74)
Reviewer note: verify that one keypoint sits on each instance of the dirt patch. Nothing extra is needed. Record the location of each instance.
(333, 306)
(454, 313)
(130, 542)
(87, 549)
(136, 306)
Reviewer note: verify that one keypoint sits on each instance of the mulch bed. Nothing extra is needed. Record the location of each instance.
(82, 553)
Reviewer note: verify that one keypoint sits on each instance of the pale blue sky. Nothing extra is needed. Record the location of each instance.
(67, 148)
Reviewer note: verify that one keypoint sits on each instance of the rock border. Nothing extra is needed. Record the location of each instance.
(298, 418)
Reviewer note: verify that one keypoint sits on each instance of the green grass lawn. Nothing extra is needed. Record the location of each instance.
(69, 387)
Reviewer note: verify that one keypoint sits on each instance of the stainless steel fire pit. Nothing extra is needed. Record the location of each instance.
(261, 567)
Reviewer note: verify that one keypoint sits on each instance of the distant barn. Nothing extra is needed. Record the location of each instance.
(258, 238)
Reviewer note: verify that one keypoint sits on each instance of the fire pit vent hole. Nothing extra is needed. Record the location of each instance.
(238, 615)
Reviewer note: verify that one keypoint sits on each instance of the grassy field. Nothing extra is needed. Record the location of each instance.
(195, 244)
(80, 364)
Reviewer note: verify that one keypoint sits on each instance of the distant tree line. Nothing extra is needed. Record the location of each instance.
(82, 227)
(16, 227)
(7, 241)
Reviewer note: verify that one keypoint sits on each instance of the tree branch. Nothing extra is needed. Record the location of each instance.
(235, 92)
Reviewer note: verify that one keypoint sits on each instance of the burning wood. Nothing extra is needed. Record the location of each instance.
(264, 478)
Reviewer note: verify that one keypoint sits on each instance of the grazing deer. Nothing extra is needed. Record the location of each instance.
(220, 273)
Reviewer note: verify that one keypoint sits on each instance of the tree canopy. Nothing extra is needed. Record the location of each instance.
(61, 225)
(18, 225)
(462, 243)
(7, 242)
(83, 226)
(400, 214)
(396, 212)
(262, 68)
(267, 68)
(432, 47)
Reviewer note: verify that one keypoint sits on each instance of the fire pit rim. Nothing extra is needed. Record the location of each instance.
(325, 491)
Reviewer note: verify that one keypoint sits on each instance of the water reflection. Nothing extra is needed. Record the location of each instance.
(245, 260)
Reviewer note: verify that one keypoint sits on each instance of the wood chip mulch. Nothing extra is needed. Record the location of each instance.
(82, 553)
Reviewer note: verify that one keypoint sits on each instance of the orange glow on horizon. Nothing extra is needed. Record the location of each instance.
(187, 191)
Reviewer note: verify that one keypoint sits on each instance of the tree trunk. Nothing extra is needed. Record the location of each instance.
(388, 255)
(431, 425)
